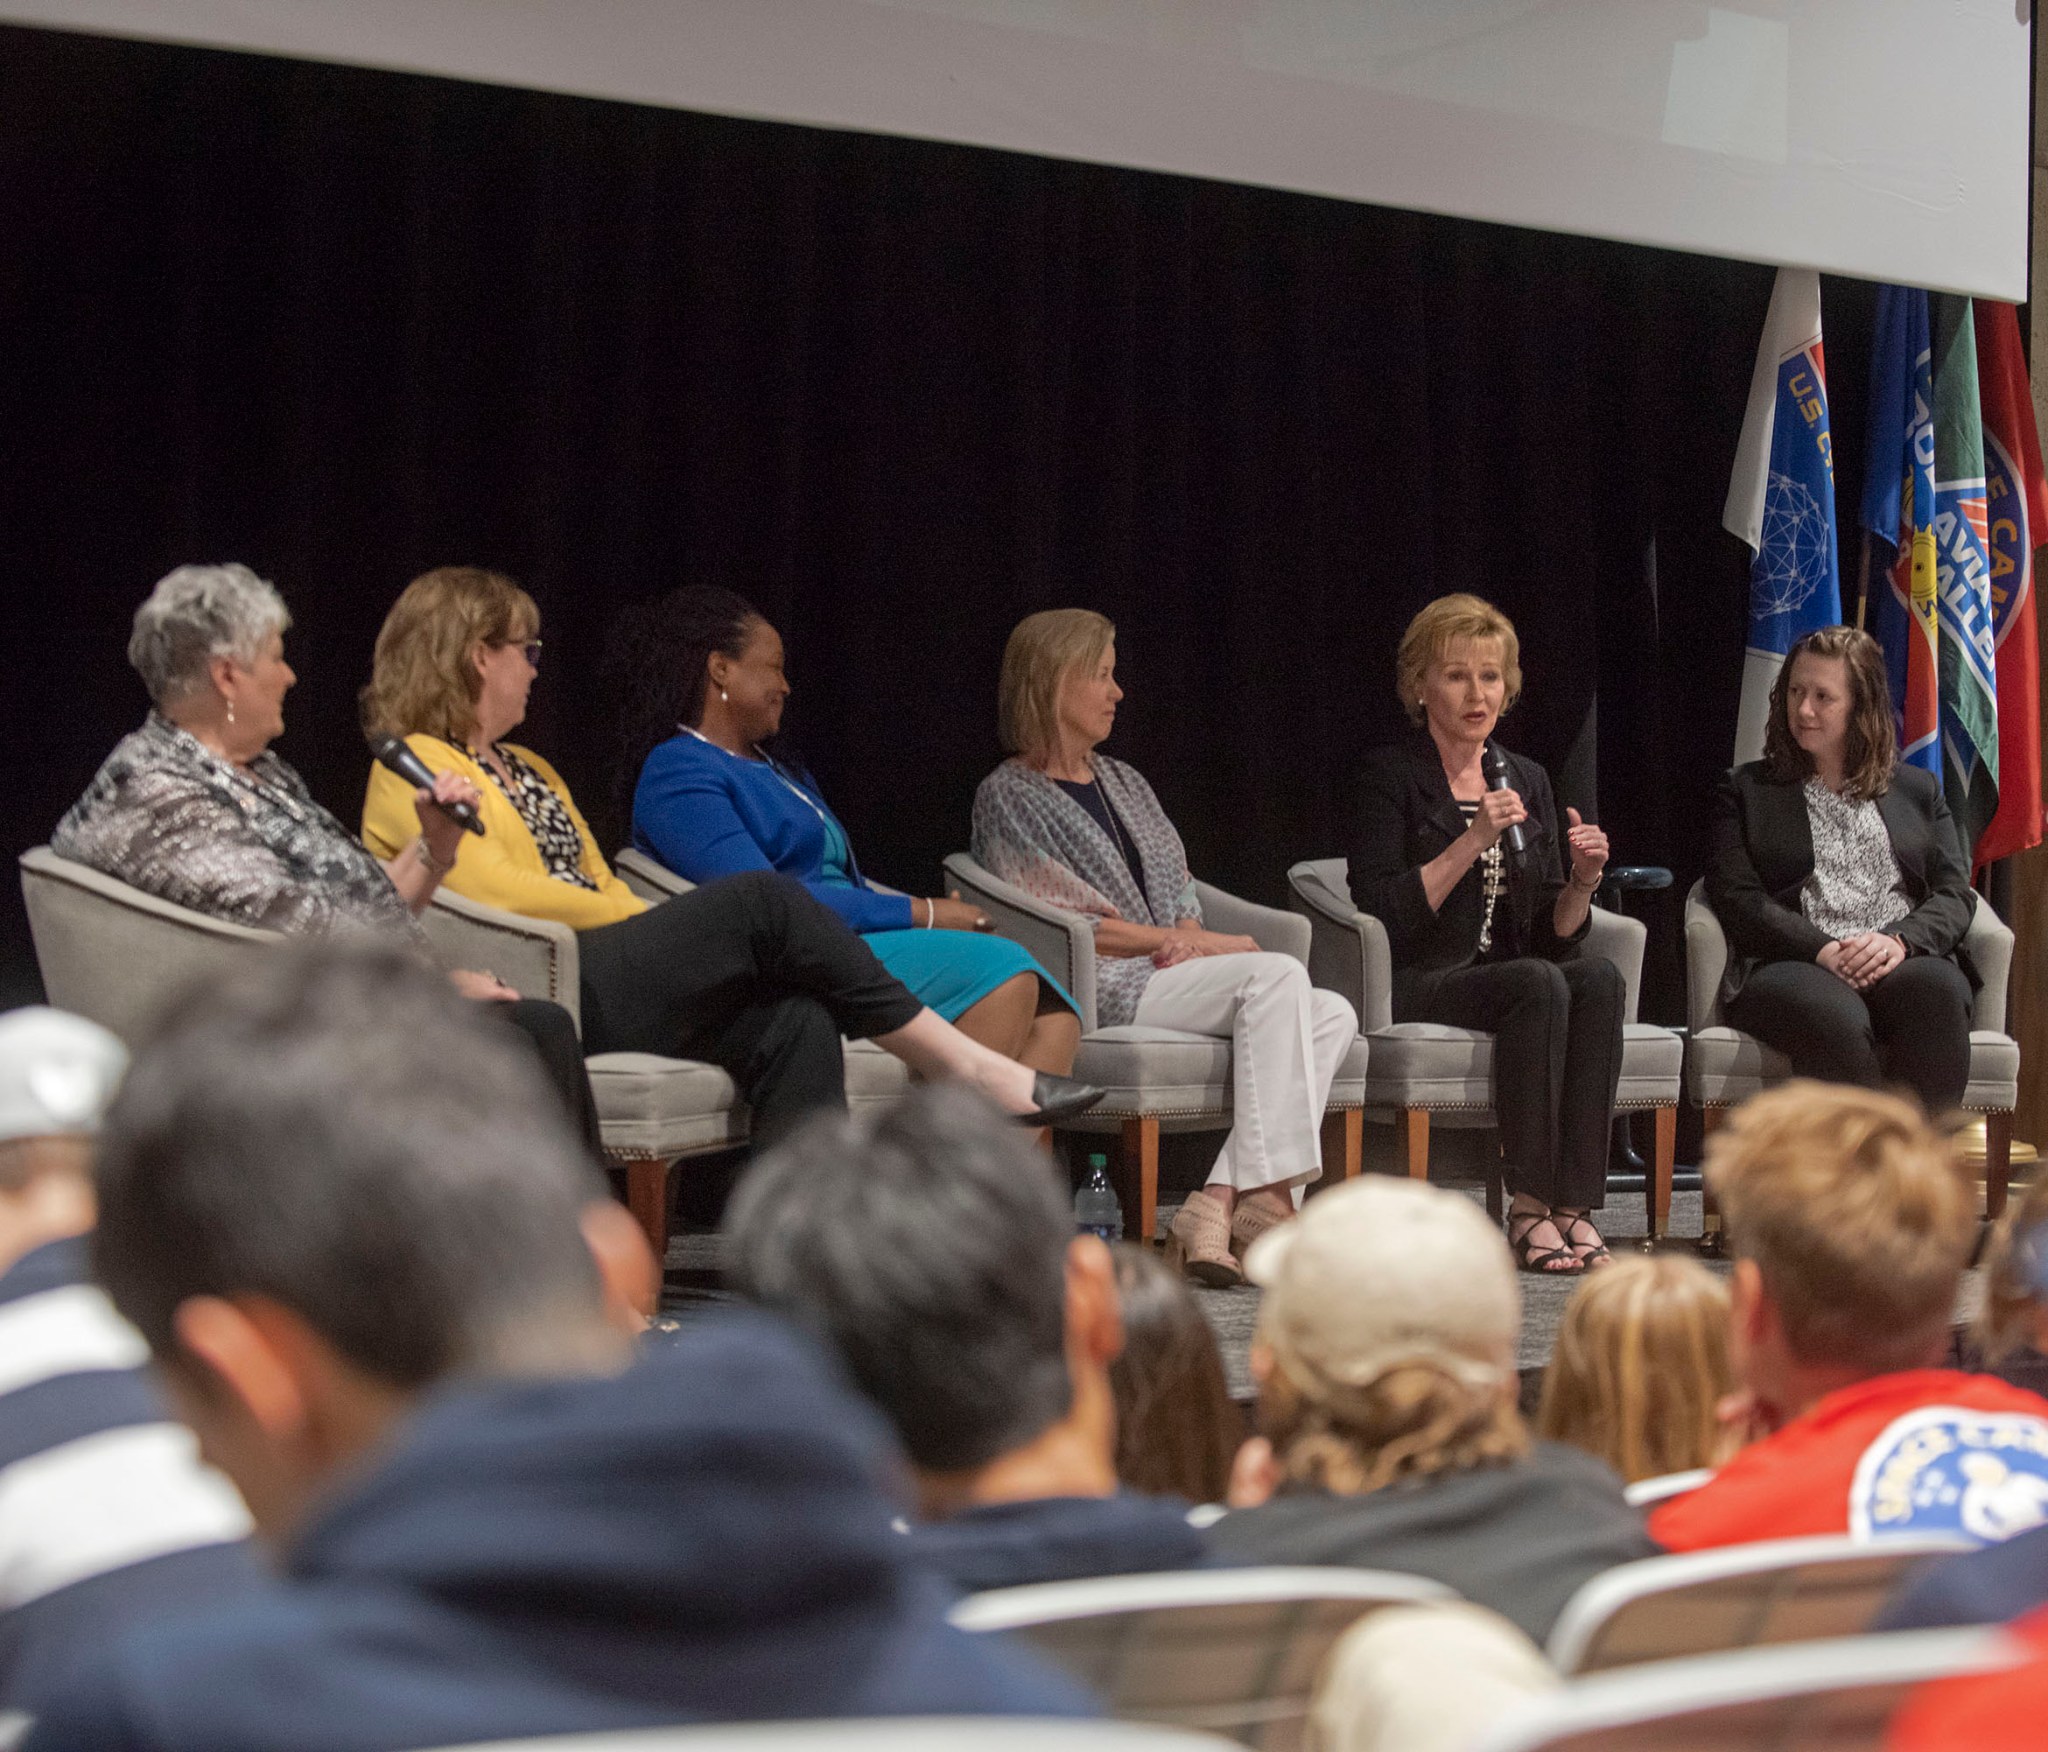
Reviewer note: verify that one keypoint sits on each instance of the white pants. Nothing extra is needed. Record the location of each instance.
(1286, 1041)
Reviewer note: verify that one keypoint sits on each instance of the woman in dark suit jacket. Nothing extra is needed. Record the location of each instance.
(1482, 939)
(1835, 874)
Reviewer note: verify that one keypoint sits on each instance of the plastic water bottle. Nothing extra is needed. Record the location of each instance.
(1096, 1211)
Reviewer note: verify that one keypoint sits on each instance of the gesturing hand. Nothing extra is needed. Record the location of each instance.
(1588, 842)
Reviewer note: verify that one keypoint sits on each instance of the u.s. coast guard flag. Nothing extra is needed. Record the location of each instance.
(1898, 508)
(1781, 497)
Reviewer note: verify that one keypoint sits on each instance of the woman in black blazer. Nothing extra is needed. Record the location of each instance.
(1483, 939)
(1835, 874)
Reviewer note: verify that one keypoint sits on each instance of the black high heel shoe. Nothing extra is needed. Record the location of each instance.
(1058, 1098)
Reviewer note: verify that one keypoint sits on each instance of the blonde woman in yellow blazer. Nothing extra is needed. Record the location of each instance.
(750, 973)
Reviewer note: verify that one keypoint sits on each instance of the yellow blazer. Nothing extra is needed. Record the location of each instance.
(504, 867)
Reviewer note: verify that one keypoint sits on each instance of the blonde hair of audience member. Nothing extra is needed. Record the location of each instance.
(1442, 624)
(1413, 1422)
(1043, 650)
(2013, 1316)
(424, 678)
(1177, 1429)
(1641, 1368)
(1851, 1221)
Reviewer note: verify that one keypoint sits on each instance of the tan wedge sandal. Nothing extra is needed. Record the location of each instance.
(1198, 1243)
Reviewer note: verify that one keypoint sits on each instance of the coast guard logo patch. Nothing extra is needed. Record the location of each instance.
(1942, 1469)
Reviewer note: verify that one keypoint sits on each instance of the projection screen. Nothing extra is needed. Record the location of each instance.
(1886, 139)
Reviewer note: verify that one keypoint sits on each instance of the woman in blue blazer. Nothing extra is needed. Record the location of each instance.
(710, 801)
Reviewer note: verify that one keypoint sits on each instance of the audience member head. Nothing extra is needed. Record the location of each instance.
(453, 634)
(1386, 1340)
(1831, 709)
(2014, 1313)
(57, 1074)
(1451, 627)
(1176, 1427)
(1641, 1368)
(1851, 1221)
(933, 1249)
(329, 1185)
(1047, 655)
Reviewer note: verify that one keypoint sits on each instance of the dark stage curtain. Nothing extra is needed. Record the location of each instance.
(346, 325)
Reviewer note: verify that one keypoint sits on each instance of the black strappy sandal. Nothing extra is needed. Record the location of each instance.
(1569, 1223)
(1534, 1260)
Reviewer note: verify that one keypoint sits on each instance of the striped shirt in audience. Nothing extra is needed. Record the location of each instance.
(107, 1517)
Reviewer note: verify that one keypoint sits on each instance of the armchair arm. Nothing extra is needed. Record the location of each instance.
(653, 882)
(1621, 940)
(1348, 952)
(1706, 960)
(1280, 933)
(535, 957)
(1061, 942)
(1989, 943)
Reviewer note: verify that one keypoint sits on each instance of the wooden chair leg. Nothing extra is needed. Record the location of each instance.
(647, 1199)
(1343, 1145)
(1415, 1140)
(1139, 1160)
(1497, 1184)
(1665, 1150)
(1997, 1163)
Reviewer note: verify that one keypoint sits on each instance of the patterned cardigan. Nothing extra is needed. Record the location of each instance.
(167, 815)
(1030, 832)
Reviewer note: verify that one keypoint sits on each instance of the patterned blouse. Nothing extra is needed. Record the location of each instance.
(167, 815)
(547, 818)
(1856, 884)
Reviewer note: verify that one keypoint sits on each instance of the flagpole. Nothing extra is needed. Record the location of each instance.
(1863, 582)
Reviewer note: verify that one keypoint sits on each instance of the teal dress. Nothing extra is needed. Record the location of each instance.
(705, 813)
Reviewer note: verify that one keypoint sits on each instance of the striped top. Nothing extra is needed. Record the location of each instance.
(106, 1515)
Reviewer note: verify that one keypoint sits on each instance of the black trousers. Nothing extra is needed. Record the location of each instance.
(1556, 1028)
(551, 1032)
(1912, 1027)
(750, 973)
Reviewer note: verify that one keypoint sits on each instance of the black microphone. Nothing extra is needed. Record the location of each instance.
(414, 771)
(1496, 771)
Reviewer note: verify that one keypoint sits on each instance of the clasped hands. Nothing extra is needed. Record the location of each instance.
(1187, 941)
(1862, 960)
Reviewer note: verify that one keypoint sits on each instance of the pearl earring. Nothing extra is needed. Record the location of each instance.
(231, 711)
(722, 696)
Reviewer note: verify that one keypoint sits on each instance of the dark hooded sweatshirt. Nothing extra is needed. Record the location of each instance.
(1059, 1539)
(701, 1539)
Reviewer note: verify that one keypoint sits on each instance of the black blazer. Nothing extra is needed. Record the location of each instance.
(1761, 853)
(1406, 817)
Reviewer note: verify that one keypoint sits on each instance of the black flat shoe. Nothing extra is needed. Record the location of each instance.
(1058, 1098)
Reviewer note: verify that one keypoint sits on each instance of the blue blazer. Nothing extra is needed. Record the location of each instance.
(705, 813)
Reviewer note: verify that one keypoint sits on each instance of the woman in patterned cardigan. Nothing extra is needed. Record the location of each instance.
(1085, 832)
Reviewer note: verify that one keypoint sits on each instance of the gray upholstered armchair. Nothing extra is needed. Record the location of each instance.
(1420, 1070)
(1724, 1066)
(1159, 1079)
(113, 953)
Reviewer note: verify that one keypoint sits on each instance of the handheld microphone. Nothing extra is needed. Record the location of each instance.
(414, 771)
(1496, 771)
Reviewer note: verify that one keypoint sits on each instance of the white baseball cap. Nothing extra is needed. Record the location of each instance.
(58, 1072)
(1382, 1273)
